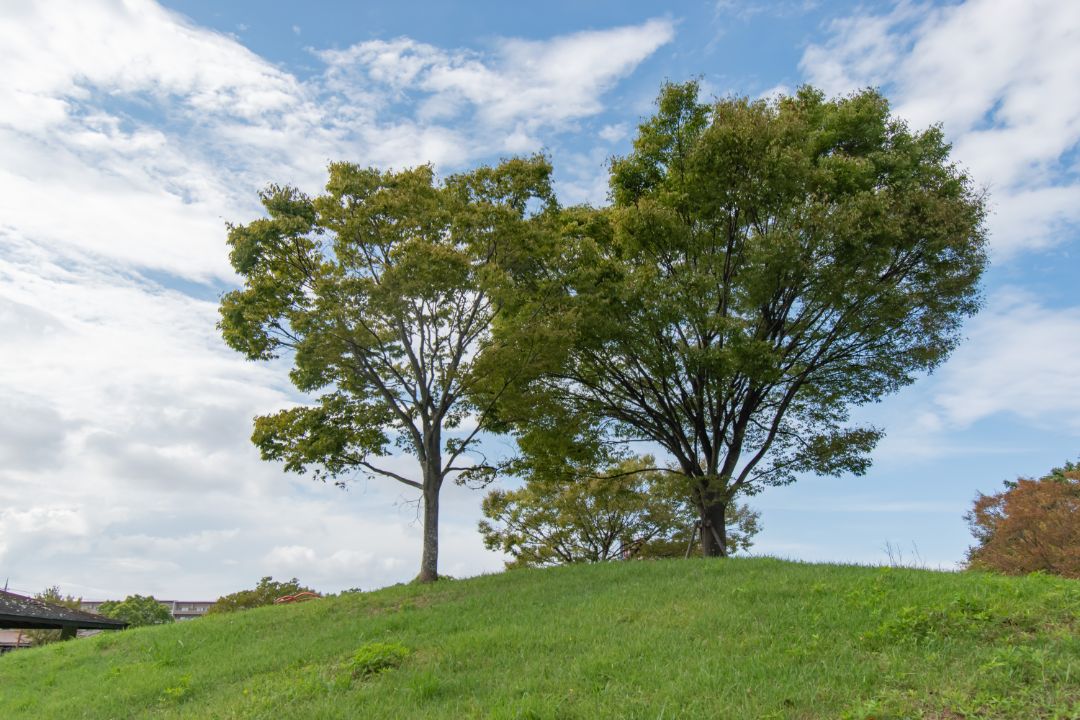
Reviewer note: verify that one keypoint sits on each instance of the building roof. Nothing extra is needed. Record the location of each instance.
(18, 611)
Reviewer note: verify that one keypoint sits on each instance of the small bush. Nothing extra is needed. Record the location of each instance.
(1032, 526)
(377, 657)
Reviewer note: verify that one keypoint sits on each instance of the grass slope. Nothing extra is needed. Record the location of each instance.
(746, 638)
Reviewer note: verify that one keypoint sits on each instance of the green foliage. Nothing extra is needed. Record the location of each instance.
(382, 292)
(629, 510)
(137, 610)
(766, 266)
(961, 617)
(605, 640)
(177, 693)
(376, 657)
(53, 596)
(264, 593)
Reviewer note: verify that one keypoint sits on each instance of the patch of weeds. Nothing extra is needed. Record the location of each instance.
(107, 640)
(177, 693)
(166, 654)
(807, 649)
(376, 657)
(1014, 681)
(1026, 665)
(1015, 702)
(962, 617)
(872, 595)
(305, 683)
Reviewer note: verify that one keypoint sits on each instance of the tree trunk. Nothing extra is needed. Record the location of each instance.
(429, 562)
(714, 530)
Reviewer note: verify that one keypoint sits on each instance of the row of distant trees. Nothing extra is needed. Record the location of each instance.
(762, 267)
(142, 610)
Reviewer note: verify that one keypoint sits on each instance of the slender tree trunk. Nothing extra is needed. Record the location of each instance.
(714, 530)
(429, 562)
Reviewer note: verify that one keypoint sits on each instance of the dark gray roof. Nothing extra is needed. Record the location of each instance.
(20, 612)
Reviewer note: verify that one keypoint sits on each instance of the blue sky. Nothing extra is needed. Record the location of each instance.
(131, 132)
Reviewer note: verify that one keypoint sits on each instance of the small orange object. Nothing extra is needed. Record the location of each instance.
(298, 597)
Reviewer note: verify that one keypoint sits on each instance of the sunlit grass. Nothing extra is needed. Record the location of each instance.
(746, 638)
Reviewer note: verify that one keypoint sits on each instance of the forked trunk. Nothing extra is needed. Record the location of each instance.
(714, 530)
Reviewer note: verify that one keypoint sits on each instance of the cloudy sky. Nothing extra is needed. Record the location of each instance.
(131, 132)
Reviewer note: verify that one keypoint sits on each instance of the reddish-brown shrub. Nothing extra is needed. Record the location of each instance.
(1032, 525)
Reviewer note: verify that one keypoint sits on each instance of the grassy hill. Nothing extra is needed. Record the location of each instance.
(746, 638)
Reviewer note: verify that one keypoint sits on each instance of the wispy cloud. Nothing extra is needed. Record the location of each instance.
(1021, 358)
(1000, 76)
(522, 87)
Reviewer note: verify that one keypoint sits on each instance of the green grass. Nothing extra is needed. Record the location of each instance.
(750, 638)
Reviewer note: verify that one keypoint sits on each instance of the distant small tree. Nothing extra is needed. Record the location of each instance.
(53, 596)
(265, 593)
(626, 511)
(1032, 525)
(137, 610)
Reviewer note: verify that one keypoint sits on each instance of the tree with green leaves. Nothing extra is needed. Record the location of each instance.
(137, 611)
(629, 510)
(53, 596)
(383, 292)
(765, 266)
(265, 592)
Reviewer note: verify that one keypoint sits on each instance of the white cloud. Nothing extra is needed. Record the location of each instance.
(1021, 358)
(775, 92)
(1000, 76)
(524, 85)
(614, 133)
(128, 136)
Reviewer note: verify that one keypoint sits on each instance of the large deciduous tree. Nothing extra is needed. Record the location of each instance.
(764, 267)
(383, 291)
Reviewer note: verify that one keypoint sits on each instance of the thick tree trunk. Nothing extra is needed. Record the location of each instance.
(714, 530)
(429, 561)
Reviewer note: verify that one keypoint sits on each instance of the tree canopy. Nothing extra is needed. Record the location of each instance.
(1032, 525)
(264, 593)
(52, 595)
(622, 512)
(137, 610)
(382, 291)
(764, 267)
